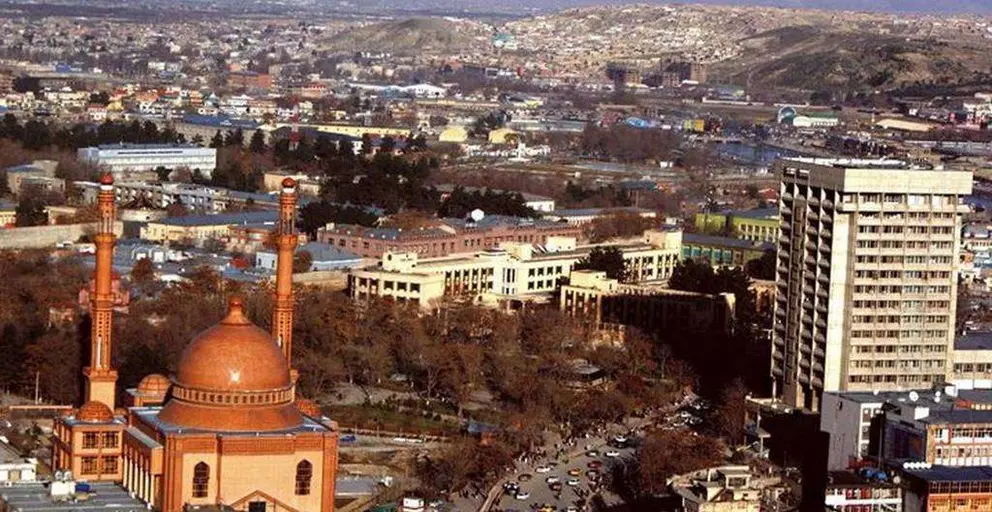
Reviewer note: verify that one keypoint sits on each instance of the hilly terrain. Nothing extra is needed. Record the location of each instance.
(411, 36)
(816, 58)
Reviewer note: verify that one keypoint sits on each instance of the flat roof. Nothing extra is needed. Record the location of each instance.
(103, 496)
(757, 213)
(973, 340)
(265, 216)
(952, 474)
(724, 241)
(581, 212)
(150, 416)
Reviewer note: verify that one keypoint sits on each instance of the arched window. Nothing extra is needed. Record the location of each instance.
(201, 480)
(304, 473)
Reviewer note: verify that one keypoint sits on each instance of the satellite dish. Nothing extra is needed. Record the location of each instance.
(913, 396)
(477, 215)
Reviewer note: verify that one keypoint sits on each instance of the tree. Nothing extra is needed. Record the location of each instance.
(143, 271)
(217, 141)
(257, 144)
(302, 262)
(764, 267)
(620, 224)
(30, 211)
(235, 138)
(176, 210)
(609, 260)
(667, 453)
(163, 173)
(731, 412)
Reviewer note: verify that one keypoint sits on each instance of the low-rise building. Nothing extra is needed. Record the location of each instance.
(36, 172)
(760, 225)
(901, 425)
(849, 491)
(198, 229)
(134, 158)
(69, 497)
(607, 304)
(323, 257)
(721, 489)
(15, 468)
(448, 236)
(581, 216)
(946, 489)
(515, 271)
(8, 214)
(722, 251)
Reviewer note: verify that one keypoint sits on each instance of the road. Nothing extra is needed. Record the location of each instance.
(538, 490)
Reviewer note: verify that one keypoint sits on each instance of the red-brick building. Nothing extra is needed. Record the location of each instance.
(447, 237)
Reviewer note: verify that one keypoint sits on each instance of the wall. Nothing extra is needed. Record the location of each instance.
(48, 236)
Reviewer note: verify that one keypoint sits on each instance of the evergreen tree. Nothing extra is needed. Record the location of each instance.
(257, 144)
(217, 141)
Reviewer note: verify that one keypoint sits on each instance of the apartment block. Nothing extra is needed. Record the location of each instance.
(866, 277)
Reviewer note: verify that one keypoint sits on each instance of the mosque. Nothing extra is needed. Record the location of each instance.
(227, 429)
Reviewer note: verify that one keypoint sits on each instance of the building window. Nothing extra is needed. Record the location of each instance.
(110, 439)
(91, 439)
(109, 465)
(201, 480)
(304, 473)
(89, 465)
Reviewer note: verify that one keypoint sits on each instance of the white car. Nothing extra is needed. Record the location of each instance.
(572, 482)
(612, 453)
(522, 496)
(552, 479)
(620, 439)
(572, 509)
(543, 469)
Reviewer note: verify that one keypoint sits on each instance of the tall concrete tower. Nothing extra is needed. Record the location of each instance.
(101, 378)
(867, 277)
(286, 241)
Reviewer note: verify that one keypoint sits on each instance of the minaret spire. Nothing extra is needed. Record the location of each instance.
(101, 378)
(286, 241)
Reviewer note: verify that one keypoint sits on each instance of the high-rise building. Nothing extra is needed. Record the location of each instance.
(866, 277)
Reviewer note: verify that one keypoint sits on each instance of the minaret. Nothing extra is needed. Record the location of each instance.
(101, 378)
(286, 240)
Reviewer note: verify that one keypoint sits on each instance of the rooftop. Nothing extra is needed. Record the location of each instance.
(723, 241)
(103, 496)
(148, 146)
(952, 474)
(758, 213)
(582, 212)
(221, 219)
(973, 340)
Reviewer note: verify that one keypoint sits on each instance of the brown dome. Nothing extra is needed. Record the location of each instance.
(308, 408)
(234, 355)
(154, 385)
(95, 412)
(232, 377)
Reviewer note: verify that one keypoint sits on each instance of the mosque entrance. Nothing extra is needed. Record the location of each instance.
(256, 506)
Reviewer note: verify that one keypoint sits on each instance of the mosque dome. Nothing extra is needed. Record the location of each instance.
(95, 412)
(154, 386)
(233, 377)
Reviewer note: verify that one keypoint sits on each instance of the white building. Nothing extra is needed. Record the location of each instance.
(867, 277)
(124, 158)
(14, 467)
(514, 272)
